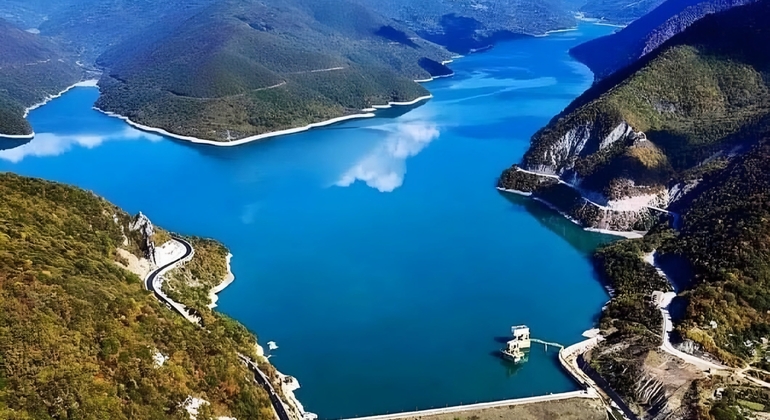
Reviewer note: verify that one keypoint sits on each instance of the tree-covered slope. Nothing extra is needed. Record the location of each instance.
(240, 68)
(618, 12)
(89, 27)
(80, 337)
(718, 256)
(466, 25)
(31, 68)
(725, 236)
(610, 53)
(635, 140)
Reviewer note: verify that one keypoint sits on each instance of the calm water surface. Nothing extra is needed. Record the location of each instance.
(376, 253)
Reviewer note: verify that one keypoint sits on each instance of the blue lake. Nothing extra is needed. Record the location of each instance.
(376, 253)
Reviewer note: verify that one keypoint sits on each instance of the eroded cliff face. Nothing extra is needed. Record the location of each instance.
(634, 142)
(144, 230)
(655, 385)
(576, 140)
(581, 174)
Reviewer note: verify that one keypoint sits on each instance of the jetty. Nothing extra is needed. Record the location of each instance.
(547, 343)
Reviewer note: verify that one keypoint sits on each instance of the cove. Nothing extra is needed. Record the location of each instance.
(376, 253)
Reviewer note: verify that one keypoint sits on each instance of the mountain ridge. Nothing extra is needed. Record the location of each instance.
(31, 69)
(609, 54)
(315, 73)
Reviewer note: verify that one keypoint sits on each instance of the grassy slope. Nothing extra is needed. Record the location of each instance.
(248, 68)
(77, 332)
(31, 68)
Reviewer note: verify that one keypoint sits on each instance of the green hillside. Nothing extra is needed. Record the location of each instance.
(31, 68)
(78, 333)
(464, 25)
(698, 135)
(697, 97)
(619, 12)
(238, 68)
(611, 53)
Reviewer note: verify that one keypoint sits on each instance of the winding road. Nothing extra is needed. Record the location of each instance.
(152, 283)
(149, 282)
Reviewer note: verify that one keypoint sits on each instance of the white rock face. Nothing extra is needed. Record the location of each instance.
(143, 224)
(680, 190)
(636, 203)
(622, 131)
(561, 155)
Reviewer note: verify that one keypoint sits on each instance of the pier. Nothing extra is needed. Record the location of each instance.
(546, 343)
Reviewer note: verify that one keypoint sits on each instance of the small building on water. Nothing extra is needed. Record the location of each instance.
(521, 333)
(514, 349)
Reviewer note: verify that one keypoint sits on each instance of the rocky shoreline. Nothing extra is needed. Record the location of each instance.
(166, 252)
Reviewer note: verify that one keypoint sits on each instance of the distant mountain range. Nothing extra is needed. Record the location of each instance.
(465, 25)
(610, 53)
(619, 12)
(227, 69)
(241, 68)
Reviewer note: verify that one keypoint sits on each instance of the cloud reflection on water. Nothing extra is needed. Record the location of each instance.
(384, 168)
(50, 144)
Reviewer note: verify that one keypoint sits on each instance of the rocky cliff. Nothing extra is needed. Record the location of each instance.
(143, 232)
(622, 152)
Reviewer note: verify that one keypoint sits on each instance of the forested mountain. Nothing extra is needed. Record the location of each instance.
(610, 53)
(240, 68)
(81, 338)
(471, 24)
(90, 27)
(229, 69)
(29, 14)
(31, 68)
(686, 129)
(619, 12)
(634, 140)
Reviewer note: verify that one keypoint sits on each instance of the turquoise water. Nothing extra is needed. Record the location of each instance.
(376, 253)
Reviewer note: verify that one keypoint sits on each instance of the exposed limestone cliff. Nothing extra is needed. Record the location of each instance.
(144, 228)
(636, 141)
